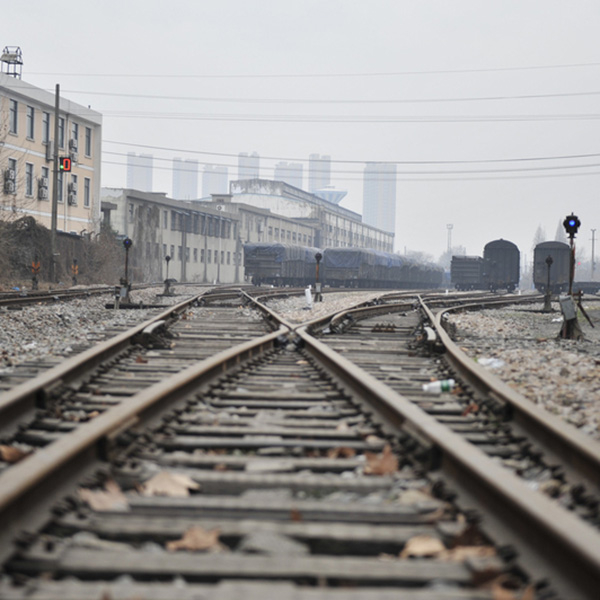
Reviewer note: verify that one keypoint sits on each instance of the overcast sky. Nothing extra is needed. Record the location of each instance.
(491, 109)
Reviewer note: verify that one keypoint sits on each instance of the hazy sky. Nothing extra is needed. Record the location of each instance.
(490, 108)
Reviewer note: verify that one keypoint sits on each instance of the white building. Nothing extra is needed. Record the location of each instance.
(379, 196)
(139, 171)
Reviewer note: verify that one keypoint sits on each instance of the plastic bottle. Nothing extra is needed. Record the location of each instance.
(437, 387)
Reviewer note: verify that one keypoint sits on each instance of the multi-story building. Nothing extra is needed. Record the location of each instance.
(248, 165)
(379, 196)
(332, 225)
(290, 173)
(185, 179)
(27, 126)
(214, 180)
(202, 241)
(139, 171)
(319, 172)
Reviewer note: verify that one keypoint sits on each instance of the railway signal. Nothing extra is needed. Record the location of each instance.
(571, 225)
(64, 164)
(318, 294)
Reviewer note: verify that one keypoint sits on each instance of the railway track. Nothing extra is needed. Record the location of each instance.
(275, 467)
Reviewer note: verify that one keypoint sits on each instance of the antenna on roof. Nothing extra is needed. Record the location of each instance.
(13, 59)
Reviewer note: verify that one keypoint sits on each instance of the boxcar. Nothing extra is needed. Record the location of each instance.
(559, 269)
(279, 264)
(501, 265)
(466, 272)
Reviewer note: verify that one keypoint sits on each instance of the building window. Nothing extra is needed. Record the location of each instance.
(75, 132)
(222, 257)
(270, 231)
(187, 255)
(179, 255)
(165, 219)
(173, 220)
(86, 192)
(13, 116)
(202, 255)
(131, 211)
(88, 141)
(228, 258)
(172, 251)
(276, 233)
(28, 179)
(216, 257)
(164, 250)
(61, 132)
(45, 128)
(30, 122)
(208, 257)
(195, 255)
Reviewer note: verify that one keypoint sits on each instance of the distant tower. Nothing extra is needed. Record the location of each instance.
(248, 165)
(214, 180)
(379, 196)
(139, 172)
(12, 61)
(185, 179)
(319, 172)
(289, 173)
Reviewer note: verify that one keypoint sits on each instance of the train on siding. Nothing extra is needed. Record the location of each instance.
(499, 268)
(283, 264)
(559, 270)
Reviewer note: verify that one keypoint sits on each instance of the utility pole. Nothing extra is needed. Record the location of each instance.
(593, 252)
(449, 228)
(54, 218)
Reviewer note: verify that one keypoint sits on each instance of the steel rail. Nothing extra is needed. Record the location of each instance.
(28, 396)
(552, 543)
(44, 475)
(557, 439)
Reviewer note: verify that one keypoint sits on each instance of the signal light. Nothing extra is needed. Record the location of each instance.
(127, 243)
(64, 163)
(571, 225)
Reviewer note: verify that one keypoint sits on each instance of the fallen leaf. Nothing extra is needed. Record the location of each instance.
(472, 408)
(385, 463)
(140, 359)
(196, 539)
(93, 414)
(110, 498)
(421, 546)
(461, 553)
(295, 515)
(174, 485)
(301, 362)
(11, 455)
(220, 467)
(341, 451)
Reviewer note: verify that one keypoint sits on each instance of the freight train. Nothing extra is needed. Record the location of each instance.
(283, 264)
(559, 270)
(499, 268)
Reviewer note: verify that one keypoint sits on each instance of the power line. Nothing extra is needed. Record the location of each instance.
(331, 101)
(359, 119)
(403, 162)
(433, 179)
(320, 75)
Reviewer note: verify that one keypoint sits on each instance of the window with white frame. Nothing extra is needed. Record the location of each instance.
(86, 192)
(13, 116)
(29, 179)
(61, 132)
(30, 122)
(88, 141)
(12, 169)
(45, 128)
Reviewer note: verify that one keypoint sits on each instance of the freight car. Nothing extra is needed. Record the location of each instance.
(283, 264)
(559, 269)
(501, 262)
(280, 264)
(366, 268)
(466, 272)
(498, 269)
